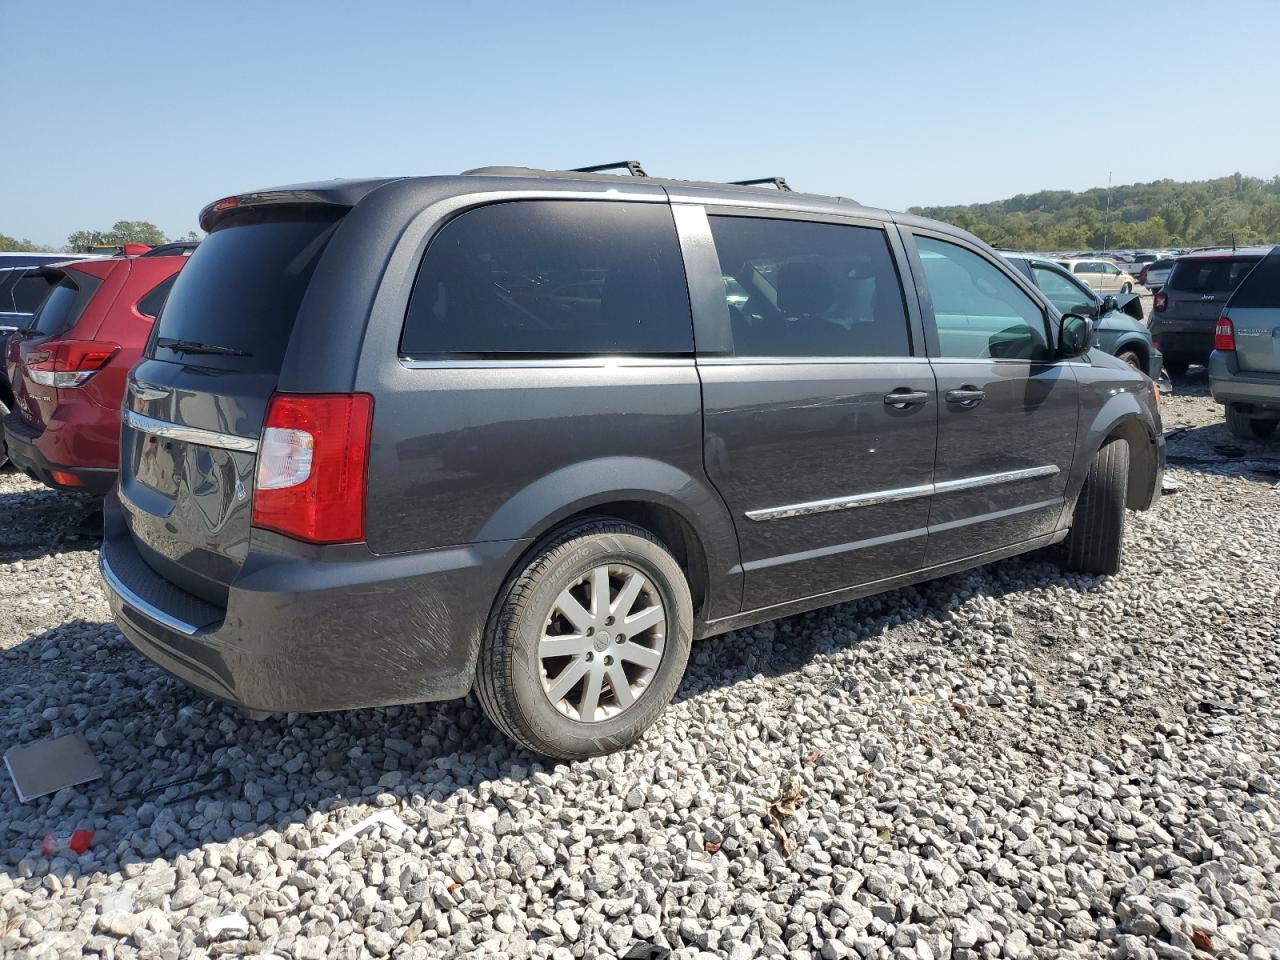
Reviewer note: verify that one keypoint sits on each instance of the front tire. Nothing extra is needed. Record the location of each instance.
(589, 643)
(1132, 359)
(1245, 427)
(1096, 541)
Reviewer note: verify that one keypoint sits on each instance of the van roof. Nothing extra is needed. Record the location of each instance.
(349, 192)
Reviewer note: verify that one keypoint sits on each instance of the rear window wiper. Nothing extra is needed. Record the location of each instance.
(195, 346)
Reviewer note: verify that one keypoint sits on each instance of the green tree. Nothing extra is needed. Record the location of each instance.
(9, 244)
(124, 231)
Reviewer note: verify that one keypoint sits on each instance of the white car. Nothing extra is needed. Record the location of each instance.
(1103, 275)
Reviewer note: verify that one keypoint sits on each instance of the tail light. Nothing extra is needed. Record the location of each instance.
(1224, 335)
(312, 465)
(1161, 301)
(69, 363)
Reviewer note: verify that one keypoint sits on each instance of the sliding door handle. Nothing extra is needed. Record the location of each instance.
(966, 396)
(905, 397)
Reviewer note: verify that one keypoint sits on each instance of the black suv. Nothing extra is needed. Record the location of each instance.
(534, 432)
(1185, 311)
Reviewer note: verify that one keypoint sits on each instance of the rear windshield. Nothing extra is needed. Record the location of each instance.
(1261, 288)
(25, 292)
(1210, 276)
(63, 306)
(241, 290)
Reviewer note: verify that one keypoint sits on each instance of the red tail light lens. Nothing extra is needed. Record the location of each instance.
(1224, 336)
(1162, 299)
(312, 466)
(69, 363)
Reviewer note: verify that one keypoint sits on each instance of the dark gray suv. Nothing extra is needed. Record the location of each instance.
(532, 433)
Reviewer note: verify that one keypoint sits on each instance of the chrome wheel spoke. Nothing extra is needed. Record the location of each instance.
(627, 596)
(620, 685)
(590, 696)
(642, 621)
(565, 645)
(599, 593)
(566, 679)
(644, 656)
(574, 612)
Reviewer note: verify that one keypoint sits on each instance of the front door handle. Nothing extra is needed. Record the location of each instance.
(905, 397)
(966, 396)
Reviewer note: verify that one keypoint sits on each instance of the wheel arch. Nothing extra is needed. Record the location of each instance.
(1122, 418)
(685, 513)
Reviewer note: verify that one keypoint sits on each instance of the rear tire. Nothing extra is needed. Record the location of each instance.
(1245, 427)
(4, 450)
(1126, 288)
(1096, 541)
(517, 674)
(1176, 367)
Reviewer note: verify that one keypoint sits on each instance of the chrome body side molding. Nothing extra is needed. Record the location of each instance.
(901, 493)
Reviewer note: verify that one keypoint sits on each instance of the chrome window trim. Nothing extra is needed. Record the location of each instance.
(747, 361)
(174, 431)
(585, 362)
(899, 494)
(148, 610)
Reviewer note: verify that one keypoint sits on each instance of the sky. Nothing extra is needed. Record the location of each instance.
(148, 111)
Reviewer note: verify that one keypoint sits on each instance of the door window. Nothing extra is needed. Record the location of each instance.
(797, 288)
(980, 313)
(552, 278)
(1063, 292)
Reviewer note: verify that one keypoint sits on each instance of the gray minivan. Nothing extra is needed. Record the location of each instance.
(533, 432)
(1244, 368)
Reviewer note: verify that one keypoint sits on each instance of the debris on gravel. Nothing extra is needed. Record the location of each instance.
(1010, 762)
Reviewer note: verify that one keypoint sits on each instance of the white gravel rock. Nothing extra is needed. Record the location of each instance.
(1011, 762)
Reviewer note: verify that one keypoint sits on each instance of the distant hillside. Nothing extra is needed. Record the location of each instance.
(1159, 214)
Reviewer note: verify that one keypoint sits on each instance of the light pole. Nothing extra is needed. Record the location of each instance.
(1106, 220)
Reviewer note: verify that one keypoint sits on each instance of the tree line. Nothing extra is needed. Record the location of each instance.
(123, 231)
(1163, 213)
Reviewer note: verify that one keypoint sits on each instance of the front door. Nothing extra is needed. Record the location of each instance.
(820, 412)
(1007, 412)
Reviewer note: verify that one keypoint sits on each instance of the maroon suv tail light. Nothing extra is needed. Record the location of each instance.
(69, 363)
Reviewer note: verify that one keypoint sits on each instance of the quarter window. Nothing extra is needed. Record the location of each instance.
(796, 288)
(552, 277)
(980, 313)
(153, 299)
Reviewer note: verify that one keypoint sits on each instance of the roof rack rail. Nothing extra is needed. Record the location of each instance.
(778, 182)
(631, 165)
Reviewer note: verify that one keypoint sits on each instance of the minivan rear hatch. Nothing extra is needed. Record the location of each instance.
(196, 402)
(1254, 310)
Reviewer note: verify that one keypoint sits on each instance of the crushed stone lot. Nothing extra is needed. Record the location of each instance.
(1011, 762)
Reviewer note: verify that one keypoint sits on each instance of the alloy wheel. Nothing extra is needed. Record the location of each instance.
(602, 643)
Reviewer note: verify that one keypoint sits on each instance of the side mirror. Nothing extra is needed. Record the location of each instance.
(1075, 336)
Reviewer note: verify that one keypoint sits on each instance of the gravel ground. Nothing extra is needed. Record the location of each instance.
(1011, 762)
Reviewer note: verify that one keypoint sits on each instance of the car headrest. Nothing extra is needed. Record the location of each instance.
(804, 289)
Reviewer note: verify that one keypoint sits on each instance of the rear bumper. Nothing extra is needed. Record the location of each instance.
(301, 635)
(1231, 385)
(1190, 341)
(22, 441)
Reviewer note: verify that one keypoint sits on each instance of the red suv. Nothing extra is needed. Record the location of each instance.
(69, 368)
